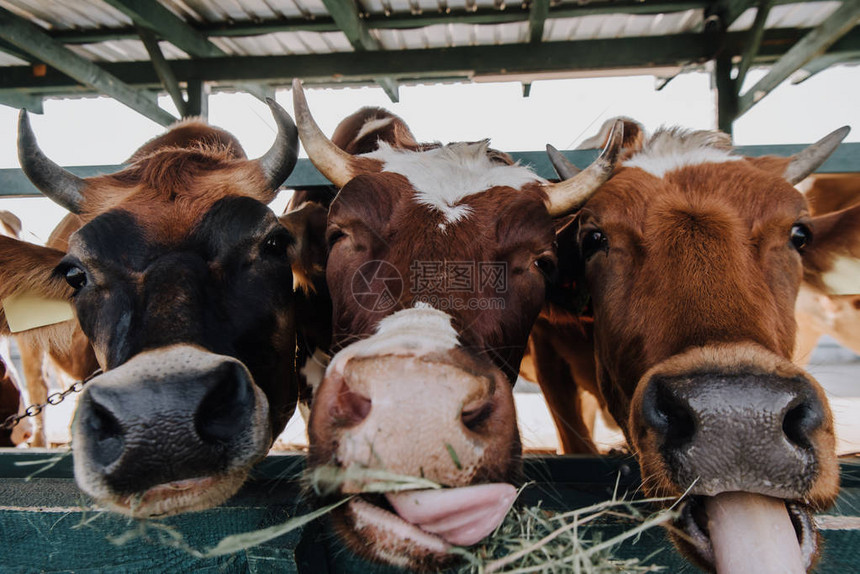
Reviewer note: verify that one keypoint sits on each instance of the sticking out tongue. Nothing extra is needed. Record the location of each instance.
(752, 534)
(462, 516)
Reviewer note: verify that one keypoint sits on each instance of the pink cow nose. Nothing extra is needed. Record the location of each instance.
(350, 408)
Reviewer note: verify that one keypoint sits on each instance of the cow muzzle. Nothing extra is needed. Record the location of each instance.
(750, 437)
(171, 430)
(440, 416)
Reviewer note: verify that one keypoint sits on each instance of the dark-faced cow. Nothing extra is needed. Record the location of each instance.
(693, 257)
(181, 278)
(428, 348)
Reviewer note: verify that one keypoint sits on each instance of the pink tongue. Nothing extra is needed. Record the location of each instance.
(462, 516)
(752, 534)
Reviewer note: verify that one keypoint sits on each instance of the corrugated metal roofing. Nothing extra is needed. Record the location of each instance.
(96, 14)
(101, 33)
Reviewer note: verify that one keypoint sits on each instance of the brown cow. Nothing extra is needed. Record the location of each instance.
(428, 346)
(11, 402)
(76, 360)
(692, 257)
(11, 398)
(181, 278)
(835, 312)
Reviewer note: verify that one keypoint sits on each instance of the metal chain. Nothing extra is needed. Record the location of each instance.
(53, 399)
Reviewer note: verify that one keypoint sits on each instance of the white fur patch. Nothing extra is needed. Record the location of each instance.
(314, 369)
(416, 331)
(372, 126)
(844, 277)
(671, 149)
(444, 176)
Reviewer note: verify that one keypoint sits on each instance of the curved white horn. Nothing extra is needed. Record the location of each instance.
(805, 162)
(334, 163)
(563, 167)
(62, 186)
(566, 196)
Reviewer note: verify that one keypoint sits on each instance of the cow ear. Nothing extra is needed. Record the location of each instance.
(632, 141)
(307, 223)
(831, 262)
(27, 275)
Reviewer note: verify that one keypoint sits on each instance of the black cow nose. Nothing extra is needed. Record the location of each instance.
(224, 411)
(105, 431)
(742, 429)
(167, 417)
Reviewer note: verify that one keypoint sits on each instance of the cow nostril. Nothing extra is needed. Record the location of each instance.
(475, 414)
(106, 434)
(224, 411)
(800, 421)
(668, 415)
(351, 407)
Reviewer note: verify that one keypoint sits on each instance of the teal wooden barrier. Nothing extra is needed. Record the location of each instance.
(846, 159)
(48, 526)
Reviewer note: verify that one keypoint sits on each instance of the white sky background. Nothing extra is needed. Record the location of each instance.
(561, 112)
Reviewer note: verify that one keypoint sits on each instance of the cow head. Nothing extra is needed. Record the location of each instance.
(693, 258)
(438, 261)
(181, 278)
(830, 308)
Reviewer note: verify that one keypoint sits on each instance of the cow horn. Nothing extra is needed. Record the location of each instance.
(56, 183)
(566, 196)
(278, 163)
(805, 162)
(334, 163)
(561, 164)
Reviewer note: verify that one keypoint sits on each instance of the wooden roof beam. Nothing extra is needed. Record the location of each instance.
(813, 44)
(756, 33)
(442, 64)
(346, 17)
(34, 41)
(538, 13)
(820, 64)
(162, 68)
(31, 103)
(172, 28)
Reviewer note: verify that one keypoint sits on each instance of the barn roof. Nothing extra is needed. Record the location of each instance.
(128, 49)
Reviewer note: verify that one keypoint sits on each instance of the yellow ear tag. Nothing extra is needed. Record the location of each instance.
(26, 311)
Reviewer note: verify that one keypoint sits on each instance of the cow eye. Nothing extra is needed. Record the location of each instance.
(334, 236)
(546, 265)
(800, 236)
(75, 277)
(277, 243)
(591, 242)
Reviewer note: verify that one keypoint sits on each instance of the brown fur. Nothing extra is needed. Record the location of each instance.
(10, 400)
(382, 222)
(376, 218)
(696, 261)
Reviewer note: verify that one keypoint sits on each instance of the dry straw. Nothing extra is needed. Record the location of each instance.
(531, 539)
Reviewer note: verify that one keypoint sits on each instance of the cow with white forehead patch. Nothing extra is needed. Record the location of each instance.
(692, 257)
(181, 279)
(439, 257)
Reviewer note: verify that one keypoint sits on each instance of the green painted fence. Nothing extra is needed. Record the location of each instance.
(47, 525)
(846, 159)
